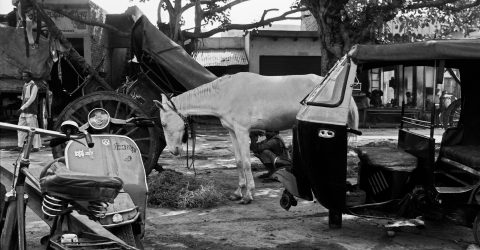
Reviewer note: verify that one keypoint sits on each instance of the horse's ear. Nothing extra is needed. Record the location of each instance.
(164, 98)
(158, 104)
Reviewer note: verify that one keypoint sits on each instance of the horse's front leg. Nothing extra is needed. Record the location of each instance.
(244, 148)
(237, 195)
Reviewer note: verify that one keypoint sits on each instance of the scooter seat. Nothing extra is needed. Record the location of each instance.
(392, 159)
(69, 185)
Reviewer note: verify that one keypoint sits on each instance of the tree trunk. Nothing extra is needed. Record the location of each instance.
(334, 37)
(72, 54)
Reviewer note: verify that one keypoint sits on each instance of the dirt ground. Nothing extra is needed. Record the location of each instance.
(264, 224)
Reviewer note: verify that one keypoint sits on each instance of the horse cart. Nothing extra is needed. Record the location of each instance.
(163, 67)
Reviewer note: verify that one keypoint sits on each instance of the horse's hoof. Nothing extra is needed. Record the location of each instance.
(245, 201)
(234, 197)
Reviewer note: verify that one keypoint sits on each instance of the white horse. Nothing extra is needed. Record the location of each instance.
(243, 102)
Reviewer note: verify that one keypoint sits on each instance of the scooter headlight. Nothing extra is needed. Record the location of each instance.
(98, 118)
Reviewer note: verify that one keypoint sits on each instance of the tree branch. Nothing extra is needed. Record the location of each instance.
(242, 26)
(265, 13)
(463, 7)
(224, 7)
(88, 22)
(169, 6)
(430, 4)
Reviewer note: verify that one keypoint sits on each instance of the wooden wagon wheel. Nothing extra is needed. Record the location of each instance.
(119, 106)
(452, 114)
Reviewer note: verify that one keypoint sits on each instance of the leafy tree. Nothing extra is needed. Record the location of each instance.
(215, 13)
(343, 23)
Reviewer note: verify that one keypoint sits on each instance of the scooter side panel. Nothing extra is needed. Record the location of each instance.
(112, 155)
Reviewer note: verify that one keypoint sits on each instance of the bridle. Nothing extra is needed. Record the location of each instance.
(187, 123)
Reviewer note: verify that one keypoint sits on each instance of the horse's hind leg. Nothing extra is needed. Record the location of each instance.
(243, 142)
(237, 195)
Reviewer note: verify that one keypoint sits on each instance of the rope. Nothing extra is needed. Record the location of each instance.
(194, 138)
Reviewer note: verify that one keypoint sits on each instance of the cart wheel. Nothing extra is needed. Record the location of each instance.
(287, 200)
(476, 229)
(149, 139)
(451, 116)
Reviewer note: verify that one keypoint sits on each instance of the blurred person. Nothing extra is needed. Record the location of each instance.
(29, 110)
(272, 152)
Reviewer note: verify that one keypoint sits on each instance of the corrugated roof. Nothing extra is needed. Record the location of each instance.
(220, 57)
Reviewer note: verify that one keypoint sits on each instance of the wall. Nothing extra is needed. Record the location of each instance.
(280, 43)
(93, 36)
(222, 43)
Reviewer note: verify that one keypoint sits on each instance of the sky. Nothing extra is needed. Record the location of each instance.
(246, 12)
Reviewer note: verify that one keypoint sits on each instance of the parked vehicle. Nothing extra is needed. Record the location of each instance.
(405, 182)
(93, 197)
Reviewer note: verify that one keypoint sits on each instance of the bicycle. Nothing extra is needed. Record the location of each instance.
(13, 211)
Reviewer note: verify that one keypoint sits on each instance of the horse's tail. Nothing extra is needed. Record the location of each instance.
(353, 116)
(352, 122)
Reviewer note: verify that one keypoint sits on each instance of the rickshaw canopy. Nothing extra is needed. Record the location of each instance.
(418, 52)
(463, 55)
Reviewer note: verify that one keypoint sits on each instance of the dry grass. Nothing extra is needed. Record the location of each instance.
(171, 189)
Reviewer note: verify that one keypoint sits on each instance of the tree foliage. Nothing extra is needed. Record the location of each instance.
(343, 23)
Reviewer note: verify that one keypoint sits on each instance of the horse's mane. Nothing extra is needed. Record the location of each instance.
(203, 96)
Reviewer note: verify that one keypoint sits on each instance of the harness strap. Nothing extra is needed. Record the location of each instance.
(188, 123)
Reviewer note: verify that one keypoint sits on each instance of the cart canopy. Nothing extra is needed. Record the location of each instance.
(171, 57)
(13, 56)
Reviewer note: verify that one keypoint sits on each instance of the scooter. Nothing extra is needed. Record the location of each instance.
(93, 197)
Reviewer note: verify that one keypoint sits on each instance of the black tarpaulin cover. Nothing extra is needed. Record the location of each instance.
(171, 56)
(430, 50)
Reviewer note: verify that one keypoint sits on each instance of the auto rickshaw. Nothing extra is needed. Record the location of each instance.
(411, 180)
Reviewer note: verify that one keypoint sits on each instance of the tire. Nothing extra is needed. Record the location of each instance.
(451, 115)
(148, 139)
(125, 233)
(9, 236)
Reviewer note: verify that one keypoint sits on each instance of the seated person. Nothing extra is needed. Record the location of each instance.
(272, 151)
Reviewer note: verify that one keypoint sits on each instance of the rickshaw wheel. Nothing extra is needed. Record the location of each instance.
(451, 116)
(287, 200)
(476, 228)
(149, 139)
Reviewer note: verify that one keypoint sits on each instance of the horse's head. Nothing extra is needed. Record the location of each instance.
(173, 124)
